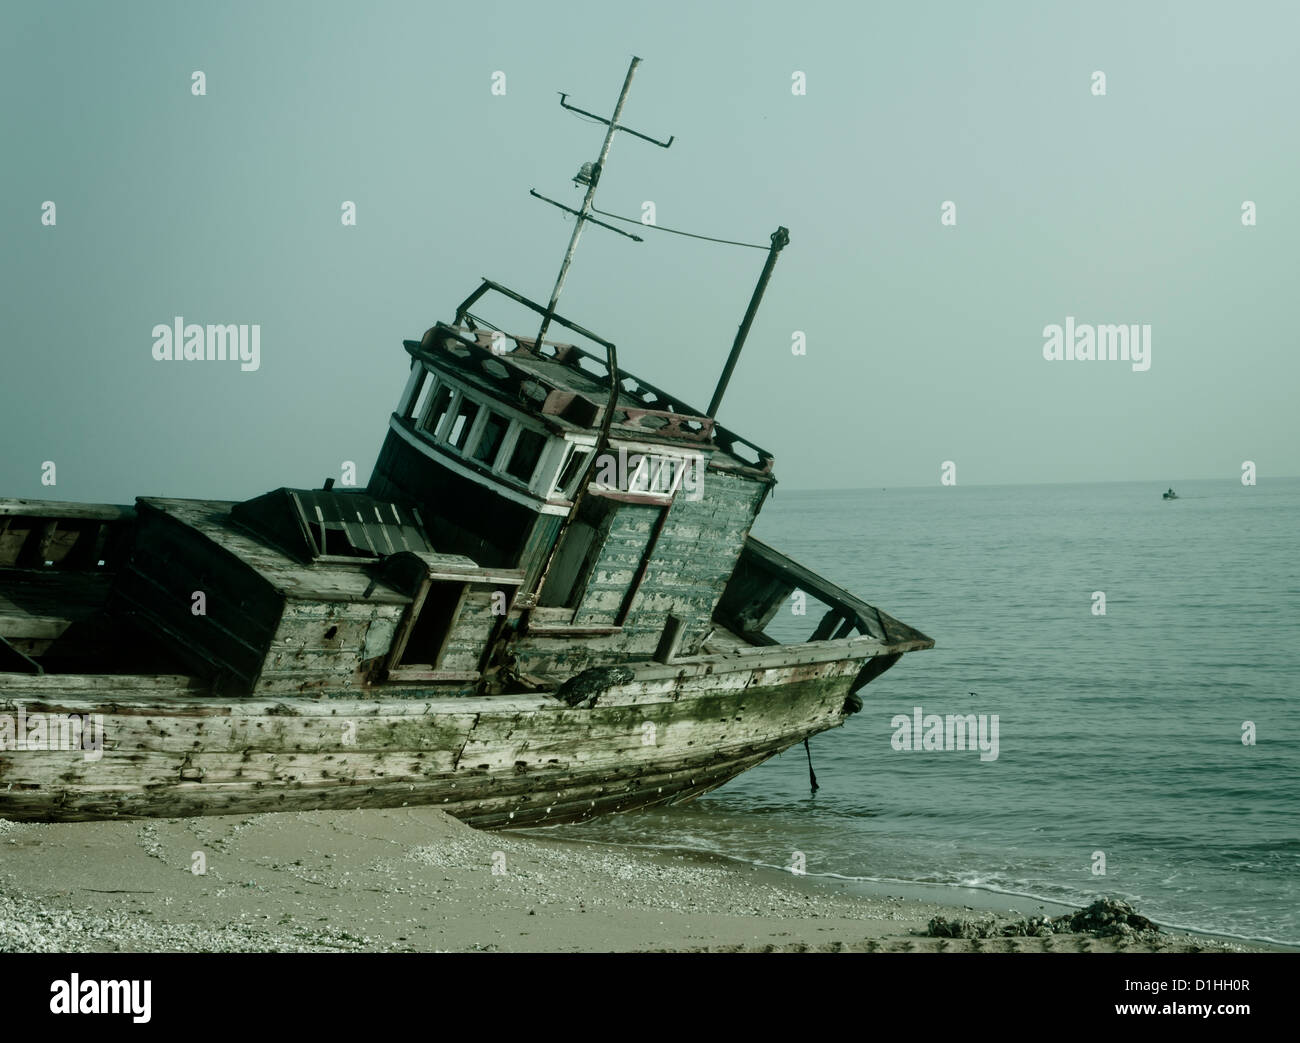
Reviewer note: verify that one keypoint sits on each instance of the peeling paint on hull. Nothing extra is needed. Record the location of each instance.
(493, 762)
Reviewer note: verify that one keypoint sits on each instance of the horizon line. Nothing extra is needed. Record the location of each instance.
(1010, 485)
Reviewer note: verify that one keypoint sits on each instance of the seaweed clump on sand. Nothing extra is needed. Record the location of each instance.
(1105, 918)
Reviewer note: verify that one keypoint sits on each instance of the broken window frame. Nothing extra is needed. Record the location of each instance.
(477, 439)
(417, 385)
(567, 489)
(460, 439)
(644, 484)
(427, 422)
(507, 459)
(444, 403)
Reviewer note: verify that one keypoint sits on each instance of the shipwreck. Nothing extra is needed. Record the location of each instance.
(545, 605)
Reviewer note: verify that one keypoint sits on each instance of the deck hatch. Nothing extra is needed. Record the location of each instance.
(312, 524)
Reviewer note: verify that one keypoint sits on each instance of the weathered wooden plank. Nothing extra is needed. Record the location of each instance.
(64, 769)
(650, 791)
(646, 732)
(407, 673)
(66, 509)
(479, 801)
(145, 695)
(278, 733)
(89, 689)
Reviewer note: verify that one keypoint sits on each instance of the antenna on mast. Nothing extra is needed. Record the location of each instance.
(589, 175)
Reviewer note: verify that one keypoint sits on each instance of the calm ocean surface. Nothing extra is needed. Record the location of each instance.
(1119, 733)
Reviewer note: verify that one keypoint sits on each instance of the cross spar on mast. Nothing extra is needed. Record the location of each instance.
(585, 213)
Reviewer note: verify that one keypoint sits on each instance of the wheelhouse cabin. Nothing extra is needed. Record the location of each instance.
(620, 510)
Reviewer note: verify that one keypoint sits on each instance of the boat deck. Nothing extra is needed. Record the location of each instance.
(58, 618)
(43, 604)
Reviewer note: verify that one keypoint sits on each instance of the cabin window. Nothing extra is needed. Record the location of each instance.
(665, 473)
(655, 475)
(568, 483)
(489, 441)
(639, 482)
(417, 392)
(337, 541)
(438, 410)
(528, 450)
(421, 400)
(458, 433)
(659, 474)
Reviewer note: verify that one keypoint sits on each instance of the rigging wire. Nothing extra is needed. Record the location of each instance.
(676, 231)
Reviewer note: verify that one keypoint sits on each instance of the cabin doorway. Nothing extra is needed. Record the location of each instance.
(426, 638)
(579, 548)
(602, 560)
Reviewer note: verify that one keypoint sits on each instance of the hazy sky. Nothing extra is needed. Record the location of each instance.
(924, 341)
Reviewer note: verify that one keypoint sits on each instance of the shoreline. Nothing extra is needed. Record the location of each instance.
(416, 880)
(969, 898)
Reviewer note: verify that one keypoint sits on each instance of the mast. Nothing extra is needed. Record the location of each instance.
(780, 239)
(592, 178)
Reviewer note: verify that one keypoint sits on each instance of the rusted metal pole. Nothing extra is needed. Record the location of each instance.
(586, 202)
(780, 239)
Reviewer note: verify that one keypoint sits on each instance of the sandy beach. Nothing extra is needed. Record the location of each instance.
(416, 880)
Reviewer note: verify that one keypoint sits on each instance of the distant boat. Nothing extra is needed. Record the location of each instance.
(1168, 494)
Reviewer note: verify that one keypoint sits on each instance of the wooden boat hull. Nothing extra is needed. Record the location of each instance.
(640, 737)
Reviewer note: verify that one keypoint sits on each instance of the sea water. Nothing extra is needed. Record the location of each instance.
(1150, 753)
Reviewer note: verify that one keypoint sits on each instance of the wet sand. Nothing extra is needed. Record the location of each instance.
(414, 879)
